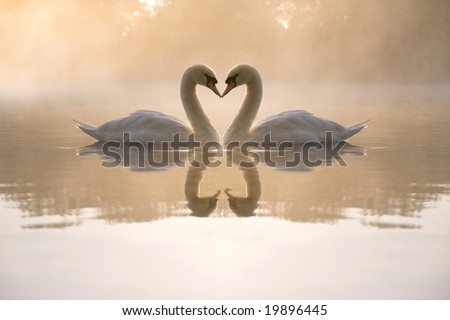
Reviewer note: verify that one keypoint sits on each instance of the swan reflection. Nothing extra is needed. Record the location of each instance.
(68, 191)
(296, 159)
(199, 206)
(245, 206)
(137, 159)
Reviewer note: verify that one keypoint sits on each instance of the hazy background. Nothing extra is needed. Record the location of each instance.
(72, 229)
(52, 42)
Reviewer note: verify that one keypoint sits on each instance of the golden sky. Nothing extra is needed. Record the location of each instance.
(51, 41)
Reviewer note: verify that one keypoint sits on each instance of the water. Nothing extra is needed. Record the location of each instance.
(378, 228)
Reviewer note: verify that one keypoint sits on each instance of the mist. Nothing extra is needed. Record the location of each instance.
(59, 43)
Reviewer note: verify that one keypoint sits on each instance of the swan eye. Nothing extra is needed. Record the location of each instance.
(232, 79)
(210, 79)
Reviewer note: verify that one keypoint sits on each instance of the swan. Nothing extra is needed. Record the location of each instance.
(296, 126)
(157, 127)
(200, 206)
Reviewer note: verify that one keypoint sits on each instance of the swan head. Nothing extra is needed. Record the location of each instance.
(203, 75)
(239, 75)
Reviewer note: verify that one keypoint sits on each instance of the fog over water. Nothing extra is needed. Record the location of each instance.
(376, 41)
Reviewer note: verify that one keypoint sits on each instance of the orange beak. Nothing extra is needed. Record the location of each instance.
(213, 88)
(230, 87)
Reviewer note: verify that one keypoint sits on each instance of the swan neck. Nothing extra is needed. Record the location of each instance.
(202, 126)
(243, 121)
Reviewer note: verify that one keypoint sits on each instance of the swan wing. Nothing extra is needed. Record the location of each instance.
(143, 126)
(300, 126)
(156, 115)
(284, 114)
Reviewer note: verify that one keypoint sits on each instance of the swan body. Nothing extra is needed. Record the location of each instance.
(296, 126)
(300, 126)
(157, 127)
(143, 125)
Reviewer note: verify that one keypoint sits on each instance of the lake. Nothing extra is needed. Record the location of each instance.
(377, 228)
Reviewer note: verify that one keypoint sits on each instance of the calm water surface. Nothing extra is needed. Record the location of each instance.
(378, 228)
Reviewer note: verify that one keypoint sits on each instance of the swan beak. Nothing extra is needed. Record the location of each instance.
(230, 87)
(213, 88)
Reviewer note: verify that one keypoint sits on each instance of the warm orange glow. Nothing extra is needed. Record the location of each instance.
(151, 6)
(48, 41)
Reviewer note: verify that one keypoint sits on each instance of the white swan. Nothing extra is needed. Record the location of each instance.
(153, 126)
(296, 126)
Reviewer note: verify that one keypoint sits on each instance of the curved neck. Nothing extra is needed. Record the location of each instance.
(200, 206)
(240, 127)
(203, 129)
